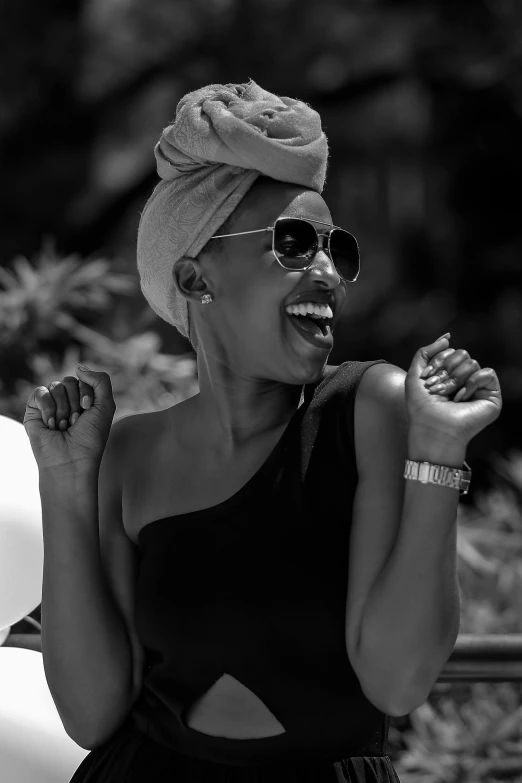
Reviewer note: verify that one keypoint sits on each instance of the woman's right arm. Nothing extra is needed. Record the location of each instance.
(92, 657)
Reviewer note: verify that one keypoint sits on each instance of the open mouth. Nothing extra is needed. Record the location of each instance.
(313, 318)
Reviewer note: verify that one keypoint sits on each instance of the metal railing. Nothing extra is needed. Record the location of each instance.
(475, 657)
(485, 658)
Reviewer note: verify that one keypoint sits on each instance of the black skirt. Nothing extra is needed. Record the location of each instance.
(132, 757)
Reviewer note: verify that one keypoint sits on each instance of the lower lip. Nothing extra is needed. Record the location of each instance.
(324, 341)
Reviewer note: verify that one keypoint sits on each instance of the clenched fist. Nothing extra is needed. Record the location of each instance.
(68, 423)
(438, 373)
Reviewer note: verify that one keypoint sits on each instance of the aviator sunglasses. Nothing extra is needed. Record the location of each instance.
(295, 243)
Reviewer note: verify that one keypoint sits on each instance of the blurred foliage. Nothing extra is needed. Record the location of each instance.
(46, 307)
(490, 549)
(479, 739)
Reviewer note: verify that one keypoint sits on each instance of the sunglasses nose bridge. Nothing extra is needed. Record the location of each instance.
(322, 261)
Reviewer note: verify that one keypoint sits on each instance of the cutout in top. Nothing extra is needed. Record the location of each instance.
(229, 709)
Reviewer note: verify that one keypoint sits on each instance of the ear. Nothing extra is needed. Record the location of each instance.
(188, 279)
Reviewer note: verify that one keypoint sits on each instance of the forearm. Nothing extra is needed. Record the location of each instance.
(411, 619)
(86, 650)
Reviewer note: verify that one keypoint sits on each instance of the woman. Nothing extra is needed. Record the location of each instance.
(243, 587)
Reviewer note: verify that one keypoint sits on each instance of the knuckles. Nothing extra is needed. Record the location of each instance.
(54, 399)
(462, 354)
(457, 357)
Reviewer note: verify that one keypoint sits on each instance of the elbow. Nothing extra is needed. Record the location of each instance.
(399, 707)
(396, 701)
(86, 739)
(396, 691)
(84, 742)
(81, 736)
(90, 734)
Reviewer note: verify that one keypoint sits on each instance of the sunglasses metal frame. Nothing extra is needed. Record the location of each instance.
(302, 220)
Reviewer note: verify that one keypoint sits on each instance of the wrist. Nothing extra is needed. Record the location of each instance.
(439, 450)
(69, 478)
(80, 468)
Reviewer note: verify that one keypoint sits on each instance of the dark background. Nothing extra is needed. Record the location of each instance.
(422, 105)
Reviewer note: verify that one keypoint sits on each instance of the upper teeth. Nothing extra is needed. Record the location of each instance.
(309, 308)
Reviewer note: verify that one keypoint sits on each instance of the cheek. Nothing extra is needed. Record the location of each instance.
(257, 293)
(259, 319)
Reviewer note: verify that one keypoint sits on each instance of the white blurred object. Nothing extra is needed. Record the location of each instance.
(21, 538)
(4, 633)
(34, 746)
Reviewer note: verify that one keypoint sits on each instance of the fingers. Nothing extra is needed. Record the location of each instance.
(436, 362)
(97, 387)
(482, 384)
(61, 404)
(421, 363)
(451, 372)
(41, 406)
(71, 386)
(85, 394)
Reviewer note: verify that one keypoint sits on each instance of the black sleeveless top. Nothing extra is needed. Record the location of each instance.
(256, 588)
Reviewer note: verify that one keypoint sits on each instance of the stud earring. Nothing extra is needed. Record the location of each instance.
(206, 299)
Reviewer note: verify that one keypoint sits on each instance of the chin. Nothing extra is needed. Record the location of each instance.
(308, 370)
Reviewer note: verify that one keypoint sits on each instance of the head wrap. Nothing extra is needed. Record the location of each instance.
(222, 138)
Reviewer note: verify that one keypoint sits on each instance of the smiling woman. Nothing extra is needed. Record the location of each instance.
(259, 589)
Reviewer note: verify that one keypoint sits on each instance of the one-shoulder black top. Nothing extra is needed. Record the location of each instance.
(255, 587)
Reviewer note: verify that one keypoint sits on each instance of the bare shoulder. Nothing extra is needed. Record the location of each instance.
(133, 435)
(134, 426)
(381, 384)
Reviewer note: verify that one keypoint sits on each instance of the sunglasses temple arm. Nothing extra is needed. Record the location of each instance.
(240, 233)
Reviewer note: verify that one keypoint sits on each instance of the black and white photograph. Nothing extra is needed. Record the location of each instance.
(261, 391)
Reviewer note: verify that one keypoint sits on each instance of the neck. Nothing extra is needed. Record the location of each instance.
(234, 409)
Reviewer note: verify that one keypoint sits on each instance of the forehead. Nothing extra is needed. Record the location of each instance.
(309, 205)
(267, 200)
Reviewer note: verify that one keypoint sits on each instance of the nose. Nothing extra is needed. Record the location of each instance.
(323, 269)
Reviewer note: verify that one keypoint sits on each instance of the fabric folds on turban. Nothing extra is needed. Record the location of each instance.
(222, 138)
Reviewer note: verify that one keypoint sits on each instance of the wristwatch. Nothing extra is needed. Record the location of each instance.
(439, 474)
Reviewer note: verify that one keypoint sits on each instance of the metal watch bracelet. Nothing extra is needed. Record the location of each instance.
(439, 474)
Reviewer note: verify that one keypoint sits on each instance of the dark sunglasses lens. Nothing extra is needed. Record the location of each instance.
(345, 254)
(295, 243)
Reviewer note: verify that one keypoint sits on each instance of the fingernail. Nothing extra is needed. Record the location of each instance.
(432, 380)
(83, 367)
(86, 402)
(74, 418)
(448, 335)
(439, 387)
(460, 394)
(427, 370)
(50, 423)
(63, 424)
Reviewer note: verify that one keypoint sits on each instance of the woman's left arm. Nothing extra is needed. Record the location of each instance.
(403, 607)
